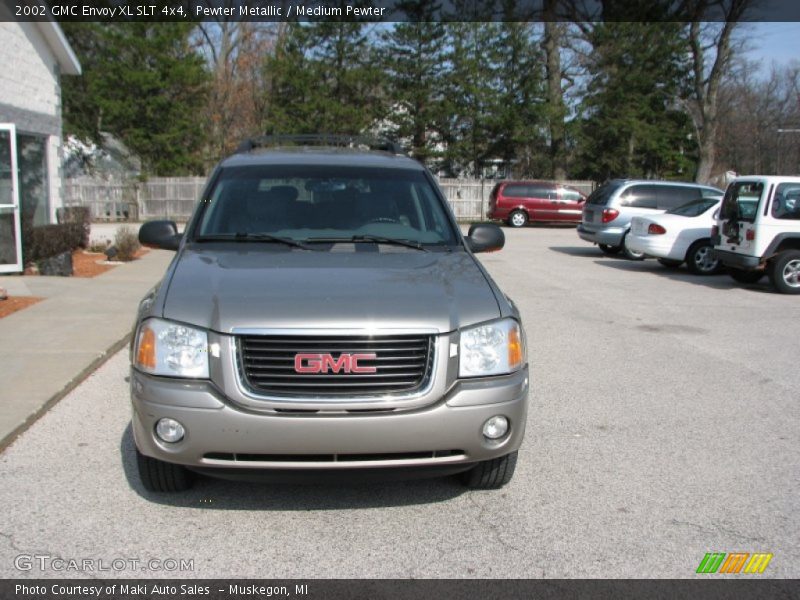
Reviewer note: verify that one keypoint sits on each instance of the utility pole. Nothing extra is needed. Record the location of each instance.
(780, 148)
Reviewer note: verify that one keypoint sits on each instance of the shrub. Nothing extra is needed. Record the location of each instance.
(47, 241)
(99, 247)
(126, 241)
(79, 215)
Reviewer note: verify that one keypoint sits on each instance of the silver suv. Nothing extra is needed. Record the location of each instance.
(323, 314)
(608, 211)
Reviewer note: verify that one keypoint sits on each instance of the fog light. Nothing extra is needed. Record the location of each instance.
(169, 430)
(495, 427)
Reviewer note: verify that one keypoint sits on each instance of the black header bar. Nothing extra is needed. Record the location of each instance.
(377, 11)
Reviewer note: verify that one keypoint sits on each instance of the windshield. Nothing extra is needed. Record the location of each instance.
(602, 194)
(694, 208)
(315, 203)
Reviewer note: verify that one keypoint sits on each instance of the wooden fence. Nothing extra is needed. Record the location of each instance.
(175, 197)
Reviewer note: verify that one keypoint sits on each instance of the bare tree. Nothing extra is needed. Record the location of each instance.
(759, 120)
(557, 109)
(235, 51)
(712, 49)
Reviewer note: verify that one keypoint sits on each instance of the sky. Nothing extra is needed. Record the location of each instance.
(779, 42)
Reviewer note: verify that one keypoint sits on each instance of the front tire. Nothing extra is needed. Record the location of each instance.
(164, 477)
(609, 250)
(699, 259)
(518, 218)
(628, 253)
(746, 276)
(784, 272)
(491, 474)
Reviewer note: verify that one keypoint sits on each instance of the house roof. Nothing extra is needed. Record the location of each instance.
(60, 47)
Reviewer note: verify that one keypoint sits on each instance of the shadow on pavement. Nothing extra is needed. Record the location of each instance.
(651, 266)
(721, 281)
(579, 251)
(221, 494)
(551, 225)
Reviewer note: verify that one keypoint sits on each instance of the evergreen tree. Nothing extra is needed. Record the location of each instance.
(631, 125)
(324, 80)
(414, 64)
(494, 102)
(518, 111)
(471, 97)
(145, 84)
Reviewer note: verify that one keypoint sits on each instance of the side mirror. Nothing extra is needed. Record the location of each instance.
(160, 234)
(485, 237)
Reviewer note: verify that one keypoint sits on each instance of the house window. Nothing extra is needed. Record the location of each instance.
(33, 181)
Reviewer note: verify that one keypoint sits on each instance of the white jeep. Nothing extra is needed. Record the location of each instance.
(758, 231)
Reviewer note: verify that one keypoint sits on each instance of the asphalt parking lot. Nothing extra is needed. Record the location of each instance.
(664, 424)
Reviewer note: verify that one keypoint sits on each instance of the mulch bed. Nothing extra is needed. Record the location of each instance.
(92, 264)
(84, 264)
(87, 264)
(14, 303)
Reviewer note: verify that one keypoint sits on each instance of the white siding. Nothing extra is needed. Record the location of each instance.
(55, 192)
(29, 76)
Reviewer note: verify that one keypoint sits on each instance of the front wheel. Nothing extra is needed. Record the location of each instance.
(784, 272)
(517, 219)
(491, 474)
(628, 253)
(160, 476)
(746, 276)
(610, 250)
(700, 259)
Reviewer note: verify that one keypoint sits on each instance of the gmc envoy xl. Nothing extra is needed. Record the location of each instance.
(323, 316)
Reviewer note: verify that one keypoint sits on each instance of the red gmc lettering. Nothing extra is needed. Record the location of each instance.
(325, 363)
(354, 358)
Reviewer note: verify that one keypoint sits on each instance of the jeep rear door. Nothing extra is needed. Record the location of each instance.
(737, 216)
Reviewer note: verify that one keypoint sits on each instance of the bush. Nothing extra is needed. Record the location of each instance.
(80, 215)
(99, 247)
(47, 241)
(126, 241)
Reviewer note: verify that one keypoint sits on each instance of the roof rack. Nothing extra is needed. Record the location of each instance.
(323, 139)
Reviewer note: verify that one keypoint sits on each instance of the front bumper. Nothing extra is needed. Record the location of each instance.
(611, 236)
(224, 435)
(735, 260)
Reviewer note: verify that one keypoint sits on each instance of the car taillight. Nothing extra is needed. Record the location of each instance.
(609, 214)
(656, 229)
(750, 235)
(714, 230)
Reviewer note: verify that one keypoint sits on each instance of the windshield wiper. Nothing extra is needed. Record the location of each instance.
(253, 237)
(376, 239)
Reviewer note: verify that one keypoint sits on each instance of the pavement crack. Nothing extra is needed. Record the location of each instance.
(717, 528)
(491, 526)
(11, 541)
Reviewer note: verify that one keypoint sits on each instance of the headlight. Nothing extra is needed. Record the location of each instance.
(172, 349)
(492, 349)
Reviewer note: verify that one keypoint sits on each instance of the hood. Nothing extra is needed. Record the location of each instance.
(222, 287)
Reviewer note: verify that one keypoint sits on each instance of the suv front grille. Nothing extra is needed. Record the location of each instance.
(402, 364)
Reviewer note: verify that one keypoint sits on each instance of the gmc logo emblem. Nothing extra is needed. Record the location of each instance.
(325, 363)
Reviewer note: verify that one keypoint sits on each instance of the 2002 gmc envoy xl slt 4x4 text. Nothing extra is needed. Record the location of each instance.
(323, 314)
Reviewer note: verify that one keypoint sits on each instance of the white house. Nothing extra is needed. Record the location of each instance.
(34, 57)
